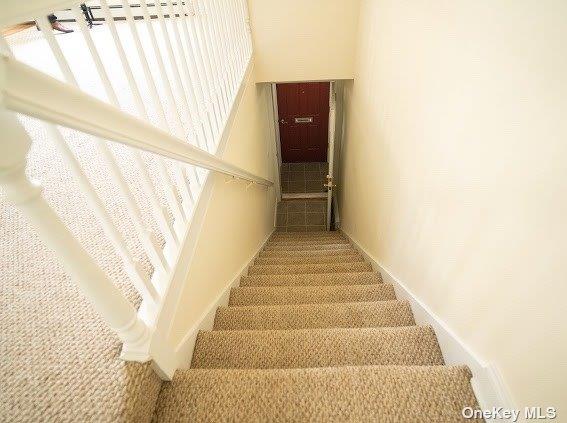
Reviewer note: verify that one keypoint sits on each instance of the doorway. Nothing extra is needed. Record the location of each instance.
(303, 123)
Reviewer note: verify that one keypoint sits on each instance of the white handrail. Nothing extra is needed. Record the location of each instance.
(28, 91)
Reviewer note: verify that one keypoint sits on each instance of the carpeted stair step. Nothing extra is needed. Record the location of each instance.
(303, 316)
(312, 241)
(407, 346)
(308, 253)
(293, 235)
(333, 394)
(344, 278)
(351, 258)
(312, 247)
(273, 295)
(292, 269)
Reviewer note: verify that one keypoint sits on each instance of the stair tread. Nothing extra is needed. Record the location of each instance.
(310, 241)
(266, 295)
(298, 316)
(310, 247)
(313, 234)
(338, 278)
(308, 253)
(365, 393)
(410, 345)
(351, 258)
(275, 269)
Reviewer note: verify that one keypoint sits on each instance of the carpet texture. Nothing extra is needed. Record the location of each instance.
(60, 362)
(313, 334)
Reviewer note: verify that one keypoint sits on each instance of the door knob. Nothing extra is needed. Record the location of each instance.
(282, 121)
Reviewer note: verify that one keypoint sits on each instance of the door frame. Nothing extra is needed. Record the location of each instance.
(277, 139)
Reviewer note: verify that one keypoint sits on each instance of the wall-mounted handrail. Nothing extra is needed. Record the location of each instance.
(26, 90)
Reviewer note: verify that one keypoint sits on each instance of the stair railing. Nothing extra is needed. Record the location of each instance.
(201, 49)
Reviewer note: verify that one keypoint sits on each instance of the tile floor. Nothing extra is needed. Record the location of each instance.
(299, 178)
(302, 215)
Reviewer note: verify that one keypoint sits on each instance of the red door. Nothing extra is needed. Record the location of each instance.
(303, 110)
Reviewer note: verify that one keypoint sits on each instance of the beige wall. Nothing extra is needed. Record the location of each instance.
(237, 220)
(455, 172)
(298, 40)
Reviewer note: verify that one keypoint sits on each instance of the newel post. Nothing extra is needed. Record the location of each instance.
(25, 194)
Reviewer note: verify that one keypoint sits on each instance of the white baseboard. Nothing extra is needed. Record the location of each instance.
(487, 382)
(207, 318)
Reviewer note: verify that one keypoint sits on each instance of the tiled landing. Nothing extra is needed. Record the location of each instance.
(302, 215)
(299, 178)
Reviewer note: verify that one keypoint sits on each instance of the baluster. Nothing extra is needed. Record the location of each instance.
(213, 63)
(150, 246)
(249, 41)
(235, 36)
(199, 138)
(245, 28)
(25, 194)
(194, 69)
(200, 59)
(241, 22)
(192, 175)
(163, 123)
(226, 33)
(212, 12)
(146, 180)
(170, 193)
(135, 213)
(200, 116)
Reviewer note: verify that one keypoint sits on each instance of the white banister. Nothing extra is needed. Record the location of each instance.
(131, 266)
(198, 58)
(154, 252)
(185, 72)
(209, 57)
(206, 26)
(191, 74)
(26, 90)
(196, 127)
(24, 194)
(142, 112)
(178, 121)
(198, 113)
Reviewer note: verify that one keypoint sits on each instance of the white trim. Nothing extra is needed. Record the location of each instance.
(277, 140)
(273, 141)
(487, 382)
(300, 195)
(207, 318)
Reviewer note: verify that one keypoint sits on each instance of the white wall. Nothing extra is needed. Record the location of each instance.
(237, 220)
(455, 172)
(298, 40)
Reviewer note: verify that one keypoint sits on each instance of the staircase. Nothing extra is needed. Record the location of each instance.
(313, 334)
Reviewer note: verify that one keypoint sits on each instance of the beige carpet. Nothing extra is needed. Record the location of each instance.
(59, 362)
(313, 334)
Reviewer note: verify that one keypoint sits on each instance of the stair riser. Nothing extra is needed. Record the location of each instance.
(316, 348)
(309, 268)
(385, 314)
(244, 296)
(355, 278)
(308, 260)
